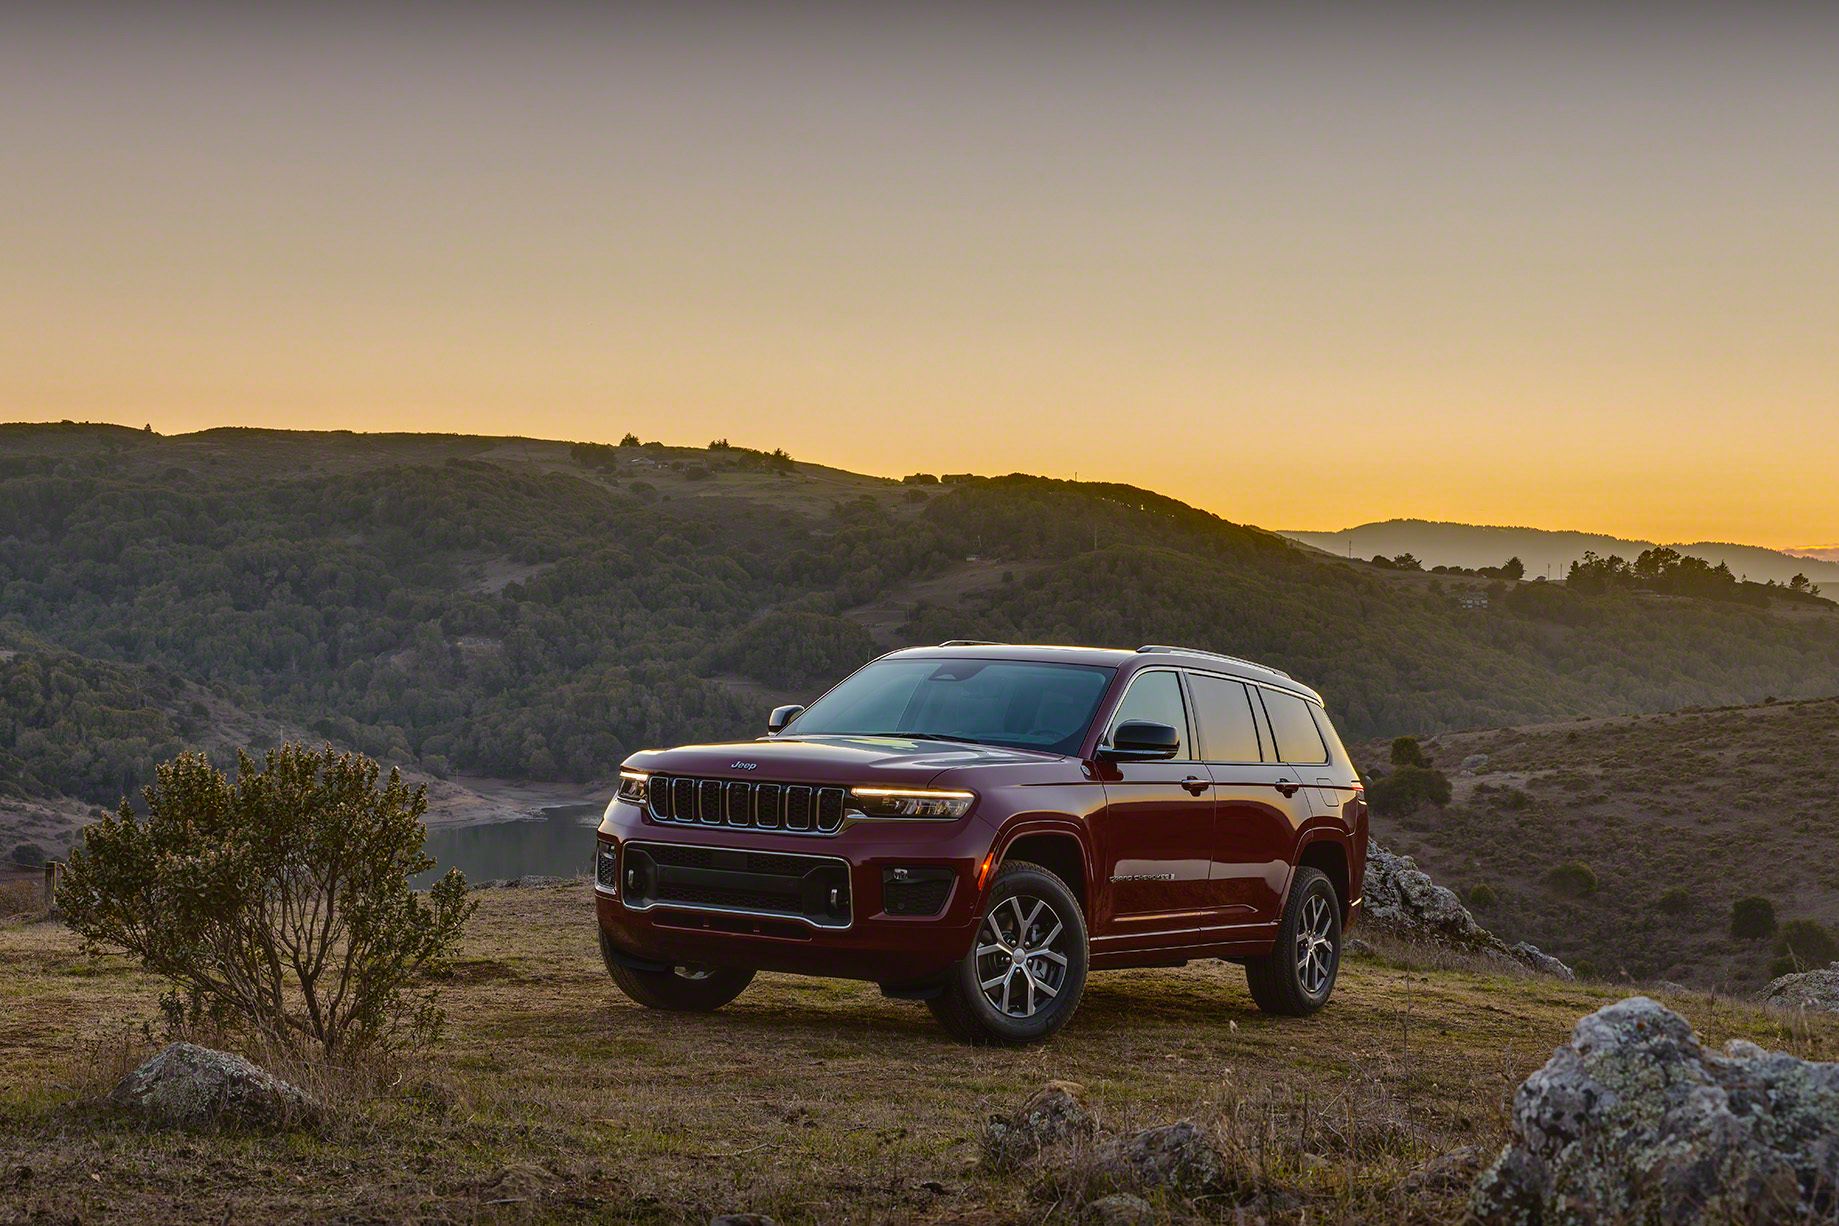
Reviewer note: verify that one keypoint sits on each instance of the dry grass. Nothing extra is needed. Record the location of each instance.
(552, 1098)
(22, 896)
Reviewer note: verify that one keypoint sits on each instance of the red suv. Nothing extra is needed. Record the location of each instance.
(977, 825)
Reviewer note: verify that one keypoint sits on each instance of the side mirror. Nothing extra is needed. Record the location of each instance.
(1141, 740)
(782, 716)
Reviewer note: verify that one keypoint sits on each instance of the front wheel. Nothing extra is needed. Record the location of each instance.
(1295, 978)
(1026, 968)
(681, 989)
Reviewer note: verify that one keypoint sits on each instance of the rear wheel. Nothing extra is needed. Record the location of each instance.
(682, 989)
(1295, 979)
(1026, 969)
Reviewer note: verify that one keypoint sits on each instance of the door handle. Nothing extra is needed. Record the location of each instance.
(1196, 785)
(1288, 788)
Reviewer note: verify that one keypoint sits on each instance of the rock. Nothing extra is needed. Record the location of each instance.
(1807, 990)
(1445, 1172)
(1175, 1157)
(1357, 948)
(1053, 1115)
(1474, 762)
(1118, 1209)
(1530, 955)
(1633, 1120)
(1402, 900)
(530, 882)
(188, 1086)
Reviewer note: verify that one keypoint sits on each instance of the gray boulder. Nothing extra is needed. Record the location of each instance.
(1528, 954)
(1633, 1120)
(1445, 1173)
(188, 1086)
(1403, 901)
(1807, 990)
(1053, 1115)
(1176, 1157)
(1118, 1209)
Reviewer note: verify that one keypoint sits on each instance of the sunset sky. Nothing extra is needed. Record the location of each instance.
(1347, 264)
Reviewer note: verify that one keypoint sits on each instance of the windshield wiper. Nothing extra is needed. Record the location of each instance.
(922, 736)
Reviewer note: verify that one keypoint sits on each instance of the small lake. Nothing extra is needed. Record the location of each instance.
(560, 843)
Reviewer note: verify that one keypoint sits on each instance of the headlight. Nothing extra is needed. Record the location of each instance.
(910, 802)
(632, 786)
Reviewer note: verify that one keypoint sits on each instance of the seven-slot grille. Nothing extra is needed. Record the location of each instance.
(794, 807)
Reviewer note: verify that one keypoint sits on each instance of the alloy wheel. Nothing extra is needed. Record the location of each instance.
(1314, 948)
(1021, 955)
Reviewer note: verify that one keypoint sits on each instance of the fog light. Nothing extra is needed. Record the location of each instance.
(915, 890)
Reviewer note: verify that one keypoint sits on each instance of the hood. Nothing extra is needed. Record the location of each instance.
(830, 759)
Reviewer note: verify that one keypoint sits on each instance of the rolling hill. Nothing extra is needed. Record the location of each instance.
(1547, 553)
(492, 608)
(1675, 817)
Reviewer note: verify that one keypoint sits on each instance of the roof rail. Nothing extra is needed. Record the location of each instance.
(970, 643)
(1165, 649)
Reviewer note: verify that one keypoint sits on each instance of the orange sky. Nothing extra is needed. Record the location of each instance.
(1532, 269)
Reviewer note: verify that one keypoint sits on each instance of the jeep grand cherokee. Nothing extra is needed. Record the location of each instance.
(979, 825)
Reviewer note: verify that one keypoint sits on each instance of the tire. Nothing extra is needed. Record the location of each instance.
(1298, 975)
(682, 989)
(1042, 987)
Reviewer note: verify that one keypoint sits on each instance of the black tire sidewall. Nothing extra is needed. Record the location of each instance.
(1313, 884)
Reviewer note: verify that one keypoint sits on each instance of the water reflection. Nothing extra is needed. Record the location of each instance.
(558, 844)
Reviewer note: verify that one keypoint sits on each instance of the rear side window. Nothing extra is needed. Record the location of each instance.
(1223, 709)
(1298, 739)
(1155, 697)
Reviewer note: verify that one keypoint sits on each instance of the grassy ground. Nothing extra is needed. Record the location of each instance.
(551, 1097)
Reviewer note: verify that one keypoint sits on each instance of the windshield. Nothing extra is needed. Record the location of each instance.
(1017, 703)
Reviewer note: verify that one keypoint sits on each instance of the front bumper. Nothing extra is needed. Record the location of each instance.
(727, 897)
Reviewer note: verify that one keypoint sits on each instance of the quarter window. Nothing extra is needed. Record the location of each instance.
(1223, 710)
(1156, 697)
(1298, 739)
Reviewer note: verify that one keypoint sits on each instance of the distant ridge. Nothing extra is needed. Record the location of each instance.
(1441, 543)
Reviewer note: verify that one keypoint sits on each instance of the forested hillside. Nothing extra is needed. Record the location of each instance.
(1437, 543)
(530, 609)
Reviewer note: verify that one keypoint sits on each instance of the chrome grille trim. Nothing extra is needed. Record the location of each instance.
(795, 808)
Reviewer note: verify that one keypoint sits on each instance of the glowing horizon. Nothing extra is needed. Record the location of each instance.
(1558, 270)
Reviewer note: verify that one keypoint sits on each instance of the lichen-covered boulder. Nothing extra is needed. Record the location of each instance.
(1807, 990)
(1403, 901)
(1531, 955)
(1401, 898)
(1633, 1120)
(188, 1086)
(1177, 1157)
(1053, 1115)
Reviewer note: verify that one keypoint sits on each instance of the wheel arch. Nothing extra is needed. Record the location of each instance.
(1056, 846)
(1327, 852)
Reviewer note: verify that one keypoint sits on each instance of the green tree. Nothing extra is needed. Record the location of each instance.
(1752, 919)
(1802, 945)
(1407, 789)
(1407, 752)
(280, 899)
(1574, 879)
(1513, 568)
(29, 855)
